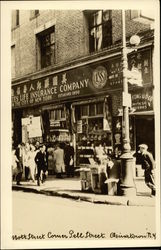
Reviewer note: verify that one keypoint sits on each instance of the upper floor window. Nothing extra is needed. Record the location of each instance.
(100, 30)
(34, 13)
(15, 18)
(142, 13)
(13, 61)
(47, 47)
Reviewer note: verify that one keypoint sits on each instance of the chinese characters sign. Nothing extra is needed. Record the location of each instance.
(83, 81)
(142, 100)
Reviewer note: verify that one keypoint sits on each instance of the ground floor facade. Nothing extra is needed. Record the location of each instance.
(83, 104)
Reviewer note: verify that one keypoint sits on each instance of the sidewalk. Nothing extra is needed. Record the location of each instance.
(71, 188)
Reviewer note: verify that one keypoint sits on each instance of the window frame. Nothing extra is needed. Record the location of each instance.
(33, 14)
(93, 25)
(47, 51)
(15, 19)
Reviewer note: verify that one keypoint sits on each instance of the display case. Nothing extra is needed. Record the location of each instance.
(92, 129)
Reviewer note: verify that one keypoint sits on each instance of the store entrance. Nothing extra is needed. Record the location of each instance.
(145, 132)
(17, 128)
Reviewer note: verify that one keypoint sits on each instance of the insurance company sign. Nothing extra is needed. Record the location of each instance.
(79, 82)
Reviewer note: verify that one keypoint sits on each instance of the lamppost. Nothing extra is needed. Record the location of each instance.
(127, 186)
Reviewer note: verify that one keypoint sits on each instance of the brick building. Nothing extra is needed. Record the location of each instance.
(67, 78)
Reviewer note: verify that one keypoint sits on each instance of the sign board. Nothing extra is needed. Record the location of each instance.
(126, 97)
(142, 100)
(83, 81)
(106, 126)
(79, 127)
(34, 128)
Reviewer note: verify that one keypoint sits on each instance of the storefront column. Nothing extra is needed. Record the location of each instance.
(73, 132)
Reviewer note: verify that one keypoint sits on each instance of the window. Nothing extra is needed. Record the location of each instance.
(142, 13)
(15, 18)
(47, 47)
(34, 13)
(92, 110)
(57, 114)
(135, 13)
(13, 61)
(100, 30)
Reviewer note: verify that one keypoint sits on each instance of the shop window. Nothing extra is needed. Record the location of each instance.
(57, 114)
(15, 18)
(100, 30)
(84, 110)
(99, 108)
(47, 47)
(93, 109)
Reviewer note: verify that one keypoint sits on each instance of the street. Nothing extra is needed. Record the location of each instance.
(46, 217)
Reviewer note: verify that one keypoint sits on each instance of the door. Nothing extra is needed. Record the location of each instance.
(145, 132)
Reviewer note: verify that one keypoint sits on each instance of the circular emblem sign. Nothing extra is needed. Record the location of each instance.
(99, 77)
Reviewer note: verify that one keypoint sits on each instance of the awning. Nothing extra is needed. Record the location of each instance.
(151, 112)
(92, 100)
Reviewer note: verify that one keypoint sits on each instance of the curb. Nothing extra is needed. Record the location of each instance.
(112, 200)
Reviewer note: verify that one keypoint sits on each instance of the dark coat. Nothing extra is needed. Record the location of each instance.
(147, 161)
(69, 152)
(40, 160)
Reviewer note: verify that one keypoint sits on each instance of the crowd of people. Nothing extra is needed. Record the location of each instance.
(32, 160)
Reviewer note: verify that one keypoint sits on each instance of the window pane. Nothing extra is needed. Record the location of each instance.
(52, 54)
(106, 15)
(36, 12)
(98, 17)
(99, 37)
(62, 113)
(99, 108)
(52, 37)
(135, 13)
(47, 40)
(17, 17)
(52, 117)
(107, 34)
(92, 110)
(84, 110)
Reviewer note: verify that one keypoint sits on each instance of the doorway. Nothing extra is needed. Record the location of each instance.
(145, 132)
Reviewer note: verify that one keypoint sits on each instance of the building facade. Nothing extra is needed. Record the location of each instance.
(67, 79)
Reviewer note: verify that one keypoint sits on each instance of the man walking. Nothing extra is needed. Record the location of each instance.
(148, 164)
(41, 162)
(69, 159)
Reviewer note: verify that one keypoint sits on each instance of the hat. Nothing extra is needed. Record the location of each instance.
(143, 146)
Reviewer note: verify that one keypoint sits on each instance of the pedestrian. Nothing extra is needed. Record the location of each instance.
(148, 164)
(14, 164)
(100, 154)
(26, 161)
(59, 161)
(37, 146)
(18, 154)
(31, 162)
(69, 159)
(41, 163)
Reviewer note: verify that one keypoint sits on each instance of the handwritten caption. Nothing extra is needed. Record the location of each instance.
(86, 235)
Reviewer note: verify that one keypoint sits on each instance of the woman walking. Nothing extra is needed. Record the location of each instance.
(59, 161)
(31, 162)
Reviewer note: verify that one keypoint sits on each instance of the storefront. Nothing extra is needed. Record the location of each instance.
(84, 105)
